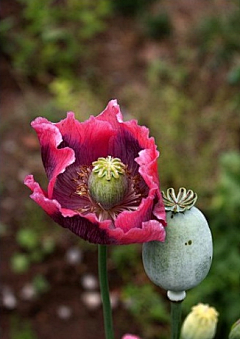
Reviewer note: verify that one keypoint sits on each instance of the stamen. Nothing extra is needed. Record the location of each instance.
(82, 181)
(105, 168)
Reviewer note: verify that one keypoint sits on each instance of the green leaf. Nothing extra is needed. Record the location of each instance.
(20, 263)
(27, 238)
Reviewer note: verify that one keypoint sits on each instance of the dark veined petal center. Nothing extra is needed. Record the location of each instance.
(107, 188)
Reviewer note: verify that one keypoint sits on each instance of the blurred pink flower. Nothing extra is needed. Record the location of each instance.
(130, 336)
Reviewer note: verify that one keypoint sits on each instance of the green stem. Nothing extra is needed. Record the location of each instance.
(103, 279)
(176, 312)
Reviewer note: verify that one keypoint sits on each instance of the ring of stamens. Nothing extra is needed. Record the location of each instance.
(112, 169)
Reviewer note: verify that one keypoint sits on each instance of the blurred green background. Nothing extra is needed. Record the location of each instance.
(174, 66)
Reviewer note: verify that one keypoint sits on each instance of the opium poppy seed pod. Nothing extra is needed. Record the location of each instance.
(184, 259)
(235, 330)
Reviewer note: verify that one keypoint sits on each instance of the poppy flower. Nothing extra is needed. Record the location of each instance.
(103, 181)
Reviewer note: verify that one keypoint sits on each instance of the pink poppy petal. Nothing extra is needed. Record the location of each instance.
(69, 144)
(39, 196)
(112, 114)
(86, 228)
(150, 231)
(55, 160)
(130, 336)
(89, 139)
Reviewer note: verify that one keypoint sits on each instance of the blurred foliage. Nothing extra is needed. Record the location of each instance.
(189, 133)
(27, 238)
(131, 8)
(158, 25)
(142, 300)
(33, 250)
(51, 37)
(124, 259)
(79, 98)
(20, 262)
(234, 74)
(40, 284)
(190, 101)
(218, 35)
(21, 329)
(35, 243)
(148, 308)
(221, 287)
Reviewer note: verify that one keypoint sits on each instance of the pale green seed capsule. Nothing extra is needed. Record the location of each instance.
(184, 259)
(235, 330)
(108, 182)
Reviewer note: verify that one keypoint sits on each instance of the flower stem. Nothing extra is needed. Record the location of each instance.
(176, 312)
(103, 279)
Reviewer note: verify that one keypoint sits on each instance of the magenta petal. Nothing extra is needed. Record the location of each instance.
(148, 165)
(159, 210)
(68, 149)
(55, 160)
(140, 223)
(148, 169)
(89, 140)
(128, 220)
(151, 230)
(112, 114)
(86, 228)
(130, 336)
(39, 196)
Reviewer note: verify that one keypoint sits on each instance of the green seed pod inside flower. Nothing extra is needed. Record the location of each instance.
(108, 182)
(201, 323)
(235, 330)
(184, 259)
